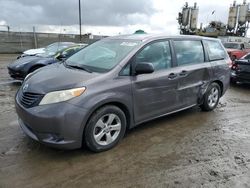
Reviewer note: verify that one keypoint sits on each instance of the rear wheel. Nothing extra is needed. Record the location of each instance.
(105, 128)
(211, 97)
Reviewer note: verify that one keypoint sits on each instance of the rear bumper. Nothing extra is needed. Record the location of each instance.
(238, 77)
(58, 125)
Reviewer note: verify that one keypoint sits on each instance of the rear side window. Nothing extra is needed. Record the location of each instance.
(215, 50)
(189, 52)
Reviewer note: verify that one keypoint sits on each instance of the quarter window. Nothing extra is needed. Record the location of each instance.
(215, 50)
(126, 70)
(189, 52)
(157, 53)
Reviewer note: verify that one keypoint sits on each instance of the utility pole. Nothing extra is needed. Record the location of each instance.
(34, 35)
(80, 20)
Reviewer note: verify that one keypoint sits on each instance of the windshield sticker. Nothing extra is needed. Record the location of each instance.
(128, 44)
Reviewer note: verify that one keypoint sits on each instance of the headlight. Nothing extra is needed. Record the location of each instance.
(18, 66)
(63, 95)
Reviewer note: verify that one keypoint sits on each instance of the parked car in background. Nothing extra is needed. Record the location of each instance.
(245, 57)
(120, 82)
(23, 66)
(236, 50)
(241, 70)
(33, 52)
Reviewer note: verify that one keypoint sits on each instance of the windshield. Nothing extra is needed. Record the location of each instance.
(103, 55)
(52, 49)
(232, 45)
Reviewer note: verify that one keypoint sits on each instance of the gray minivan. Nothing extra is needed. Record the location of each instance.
(93, 97)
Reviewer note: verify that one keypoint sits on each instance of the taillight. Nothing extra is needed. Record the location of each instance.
(230, 63)
(234, 66)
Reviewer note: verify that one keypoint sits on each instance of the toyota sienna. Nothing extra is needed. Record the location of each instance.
(113, 85)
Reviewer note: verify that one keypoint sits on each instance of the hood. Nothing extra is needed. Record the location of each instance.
(46, 60)
(57, 77)
(32, 60)
(34, 51)
(25, 60)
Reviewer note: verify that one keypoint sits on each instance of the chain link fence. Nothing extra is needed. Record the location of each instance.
(17, 42)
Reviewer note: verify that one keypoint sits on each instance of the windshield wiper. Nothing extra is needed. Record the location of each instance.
(78, 67)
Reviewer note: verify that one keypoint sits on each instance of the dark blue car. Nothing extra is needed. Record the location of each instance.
(20, 68)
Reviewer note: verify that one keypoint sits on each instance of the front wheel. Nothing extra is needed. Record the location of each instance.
(211, 97)
(105, 128)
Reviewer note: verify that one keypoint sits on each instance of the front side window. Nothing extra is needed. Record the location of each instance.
(189, 52)
(215, 50)
(157, 53)
(102, 56)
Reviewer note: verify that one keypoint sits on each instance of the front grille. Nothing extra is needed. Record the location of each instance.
(28, 99)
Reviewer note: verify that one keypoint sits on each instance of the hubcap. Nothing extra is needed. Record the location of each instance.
(213, 97)
(107, 129)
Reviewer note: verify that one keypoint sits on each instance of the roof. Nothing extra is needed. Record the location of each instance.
(143, 37)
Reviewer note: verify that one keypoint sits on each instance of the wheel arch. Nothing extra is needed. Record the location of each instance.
(220, 83)
(204, 90)
(122, 106)
(34, 67)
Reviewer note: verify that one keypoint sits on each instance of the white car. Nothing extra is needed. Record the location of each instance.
(33, 52)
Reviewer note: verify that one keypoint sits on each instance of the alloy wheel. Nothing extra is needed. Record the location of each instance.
(107, 129)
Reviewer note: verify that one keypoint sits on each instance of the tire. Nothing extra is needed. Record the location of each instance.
(101, 132)
(211, 97)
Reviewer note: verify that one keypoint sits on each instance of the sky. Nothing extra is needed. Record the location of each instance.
(105, 17)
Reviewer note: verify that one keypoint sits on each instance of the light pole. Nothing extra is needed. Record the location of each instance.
(80, 20)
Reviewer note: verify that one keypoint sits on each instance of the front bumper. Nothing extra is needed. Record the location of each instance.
(16, 74)
(57, 125)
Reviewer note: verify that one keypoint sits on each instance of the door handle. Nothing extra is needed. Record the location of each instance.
(172, 76)
(183, 73)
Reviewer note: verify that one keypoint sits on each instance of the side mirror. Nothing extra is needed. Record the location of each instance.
(144, 68)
